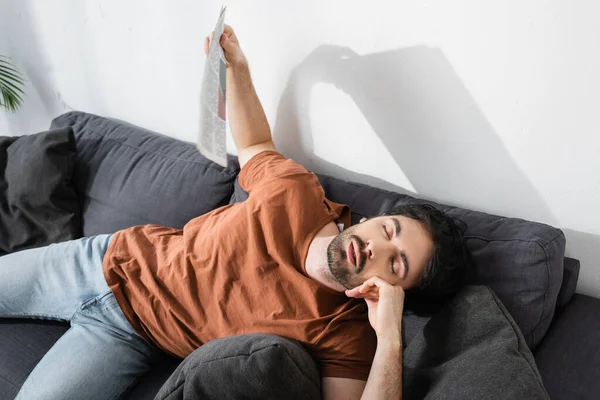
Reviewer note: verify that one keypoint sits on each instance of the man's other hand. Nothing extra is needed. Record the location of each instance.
(386, 303)
(231, 47)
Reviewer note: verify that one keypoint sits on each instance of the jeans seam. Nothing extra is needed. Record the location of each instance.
(90, 301)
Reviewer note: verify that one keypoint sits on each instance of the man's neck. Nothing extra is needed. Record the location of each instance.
(316, 259)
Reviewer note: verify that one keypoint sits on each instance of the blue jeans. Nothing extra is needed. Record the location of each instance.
(100, 356)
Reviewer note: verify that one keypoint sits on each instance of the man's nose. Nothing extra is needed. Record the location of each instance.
(378, 249)
(371, 250)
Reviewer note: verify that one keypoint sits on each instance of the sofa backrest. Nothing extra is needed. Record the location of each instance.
(129, 176)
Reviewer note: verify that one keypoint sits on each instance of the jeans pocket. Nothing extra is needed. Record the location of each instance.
(91, 303)
(108, 302)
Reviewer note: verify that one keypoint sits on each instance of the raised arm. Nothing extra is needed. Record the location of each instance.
(249, 126)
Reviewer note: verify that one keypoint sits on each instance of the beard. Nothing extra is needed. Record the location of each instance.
(337, 259)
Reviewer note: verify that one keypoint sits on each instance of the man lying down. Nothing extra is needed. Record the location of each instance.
(285, 261)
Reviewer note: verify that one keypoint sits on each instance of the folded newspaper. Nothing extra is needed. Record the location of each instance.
(213, 120)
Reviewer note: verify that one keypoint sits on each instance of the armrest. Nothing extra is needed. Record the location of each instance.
(569, 356)
(569, 283)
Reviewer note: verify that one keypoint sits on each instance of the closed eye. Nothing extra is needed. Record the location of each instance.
(392, 266)
(385, 230)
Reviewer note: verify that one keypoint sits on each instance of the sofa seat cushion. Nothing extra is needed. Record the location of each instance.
(23, 343)
(129, 176)
(569, 356)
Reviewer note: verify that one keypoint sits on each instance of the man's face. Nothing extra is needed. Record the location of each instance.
(394, 248)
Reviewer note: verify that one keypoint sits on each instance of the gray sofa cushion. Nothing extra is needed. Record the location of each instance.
(23, 343)
(521, 261)
(253, 366)
(129, 176)
(38, 202)
(472, 349)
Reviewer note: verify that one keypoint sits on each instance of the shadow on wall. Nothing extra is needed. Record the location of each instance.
(426, 118)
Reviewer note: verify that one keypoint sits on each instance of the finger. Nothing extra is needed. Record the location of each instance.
(356, 294)
(355, 289)
(378, 282)
(227, 43)
(224, 39)
(366, 296)
(375, 280)
(228, 30)
(362, 288)
(362, 295)
(373, 294)
(367, 286)
(207, 42)
(352, 292)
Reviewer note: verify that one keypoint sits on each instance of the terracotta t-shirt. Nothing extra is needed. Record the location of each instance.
(240, 269)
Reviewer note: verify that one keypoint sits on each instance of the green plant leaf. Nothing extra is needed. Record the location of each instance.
(9, 75)
(10, 91)
(11, 85)
(8, 66)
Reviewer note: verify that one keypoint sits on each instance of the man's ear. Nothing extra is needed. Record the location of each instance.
(363, 219)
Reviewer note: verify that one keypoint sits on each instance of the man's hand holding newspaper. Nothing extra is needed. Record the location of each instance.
(250, 129)
(231, 47)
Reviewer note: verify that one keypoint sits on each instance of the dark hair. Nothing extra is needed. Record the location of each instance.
(450, 266)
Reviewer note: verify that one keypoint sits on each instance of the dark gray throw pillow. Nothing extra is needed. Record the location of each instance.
(471, 349)
(251, 366)
(38, 203)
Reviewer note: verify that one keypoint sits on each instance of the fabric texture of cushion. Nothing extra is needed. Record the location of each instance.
(38, 202)
(471, 349)
(23, 343)
(129, 176)
(252, 366)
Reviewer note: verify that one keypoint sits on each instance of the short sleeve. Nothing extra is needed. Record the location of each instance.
(348, 349)
(266, 166)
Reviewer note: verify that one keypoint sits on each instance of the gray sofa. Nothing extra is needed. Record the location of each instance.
(127, 176)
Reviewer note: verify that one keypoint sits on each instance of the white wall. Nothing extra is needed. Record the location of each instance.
(487, 105)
